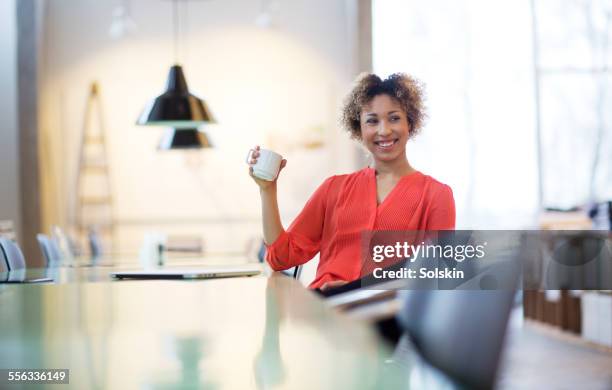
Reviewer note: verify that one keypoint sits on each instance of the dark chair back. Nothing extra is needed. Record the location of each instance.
(461, 331)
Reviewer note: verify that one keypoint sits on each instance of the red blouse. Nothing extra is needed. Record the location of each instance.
(343, 207)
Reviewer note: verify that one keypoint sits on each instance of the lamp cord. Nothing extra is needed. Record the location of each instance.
(175, 26)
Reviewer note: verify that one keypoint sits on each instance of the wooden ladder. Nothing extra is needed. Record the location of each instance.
(94, 216)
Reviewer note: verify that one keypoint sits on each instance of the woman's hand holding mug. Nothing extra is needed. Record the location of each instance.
(265, 166)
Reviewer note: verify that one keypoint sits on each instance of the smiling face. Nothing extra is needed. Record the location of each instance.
(384, 129)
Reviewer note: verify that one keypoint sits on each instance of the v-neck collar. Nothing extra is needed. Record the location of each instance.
(383, 204)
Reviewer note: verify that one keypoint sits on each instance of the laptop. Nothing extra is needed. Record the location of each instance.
(206, 272)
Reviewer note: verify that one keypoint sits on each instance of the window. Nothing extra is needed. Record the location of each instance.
(476, 58)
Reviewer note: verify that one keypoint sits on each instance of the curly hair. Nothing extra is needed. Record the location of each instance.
(406, 90)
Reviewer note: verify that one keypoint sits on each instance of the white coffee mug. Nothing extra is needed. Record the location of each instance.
(268, 164)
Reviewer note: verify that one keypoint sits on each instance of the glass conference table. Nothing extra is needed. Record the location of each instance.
(84, 270)
(237, 333)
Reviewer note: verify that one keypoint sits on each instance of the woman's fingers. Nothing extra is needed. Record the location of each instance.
(254, 155)
(252, 174)
(282, 165)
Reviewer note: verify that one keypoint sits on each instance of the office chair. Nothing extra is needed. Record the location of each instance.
(65, 245)
(14, 256)
(459, 332)
(50, 250)
(3, 261)
(297, 272)
(95, 244)
(261, 252)
(16, 264)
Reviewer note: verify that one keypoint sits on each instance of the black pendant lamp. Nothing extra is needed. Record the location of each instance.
(184, 139)
(176, 107)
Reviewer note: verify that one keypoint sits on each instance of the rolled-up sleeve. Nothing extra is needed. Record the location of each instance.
(302, 240)
(442, 216)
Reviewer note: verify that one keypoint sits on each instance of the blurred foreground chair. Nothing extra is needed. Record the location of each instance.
(50, 250)
(459, 332)
(14, 256)
(459, 329)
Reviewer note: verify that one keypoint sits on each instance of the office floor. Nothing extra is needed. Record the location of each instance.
(540, 357)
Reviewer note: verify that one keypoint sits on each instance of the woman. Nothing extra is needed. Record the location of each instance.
(388, 195)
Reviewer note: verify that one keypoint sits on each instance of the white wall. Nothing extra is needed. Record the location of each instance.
(269, 86)
(9, 140)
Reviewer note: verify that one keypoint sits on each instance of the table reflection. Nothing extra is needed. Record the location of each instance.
(239, 333)
(269, 367)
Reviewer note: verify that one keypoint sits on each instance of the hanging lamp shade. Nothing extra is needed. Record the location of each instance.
(176, 107)
(184, 139)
